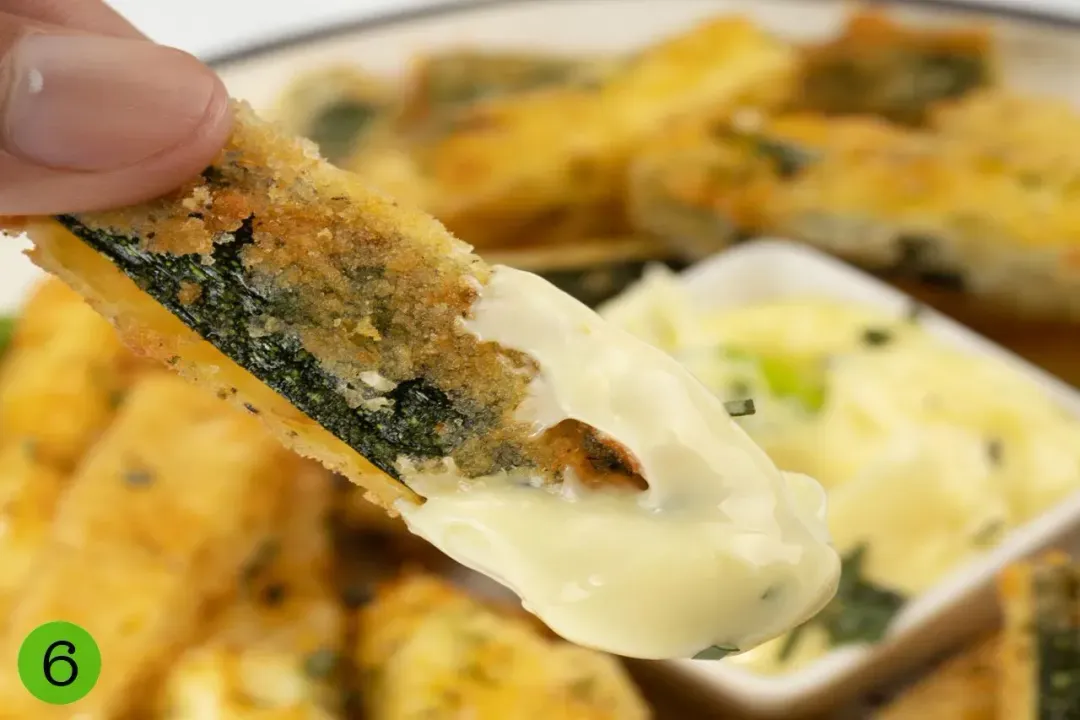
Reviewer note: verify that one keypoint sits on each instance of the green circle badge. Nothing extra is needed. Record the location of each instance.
(59, 663)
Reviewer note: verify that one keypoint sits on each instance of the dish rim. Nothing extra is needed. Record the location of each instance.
(374, 22)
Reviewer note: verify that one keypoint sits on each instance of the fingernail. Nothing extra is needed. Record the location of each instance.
(97, 103)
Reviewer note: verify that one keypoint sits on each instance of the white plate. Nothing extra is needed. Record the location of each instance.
(963, 602)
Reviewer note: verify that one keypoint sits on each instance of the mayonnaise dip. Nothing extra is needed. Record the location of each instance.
(722, 548)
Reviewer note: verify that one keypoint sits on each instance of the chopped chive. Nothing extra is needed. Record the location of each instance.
(320, 664)
(274, 594)
(740, 408)
(876, 337)
(716, 652)
(995, 450)
(7, 331)
(138, 478)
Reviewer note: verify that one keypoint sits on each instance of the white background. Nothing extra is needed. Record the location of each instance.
(210, 27)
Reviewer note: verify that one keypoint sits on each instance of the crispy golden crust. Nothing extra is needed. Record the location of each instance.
(62, 355)
(513, 164)
(881, 67)
(275, 652)
(428, 650)
(148, 533)
(964, 688)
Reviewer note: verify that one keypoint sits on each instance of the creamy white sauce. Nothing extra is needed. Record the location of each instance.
(721, 549)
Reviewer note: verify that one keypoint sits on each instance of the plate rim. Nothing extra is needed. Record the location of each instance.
(368, 23)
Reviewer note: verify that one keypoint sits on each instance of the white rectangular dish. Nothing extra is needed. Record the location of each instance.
(963, 602)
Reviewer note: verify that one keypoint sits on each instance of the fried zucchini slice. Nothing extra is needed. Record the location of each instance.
(427, 650)
(346, 305)
(276, 651)
(962, 688)
(949, 212)
(512, 165)
(29, 491)
(877, 66)
(155, 525)
(441, 84)
(1040, 654)
(62, 378)
(338, 108)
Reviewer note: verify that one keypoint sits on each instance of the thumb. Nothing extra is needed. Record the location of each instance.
(92, 121)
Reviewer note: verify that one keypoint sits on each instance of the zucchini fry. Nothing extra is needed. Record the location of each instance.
(944, 210)
(29, 492)
(338, 108)
(343, 303)
(1040, 654)
(428, 650)
(155, 525)
(442, 84)
(879, 67)
(515, 164)
(274, 653)
(963, 688)
(63, 376)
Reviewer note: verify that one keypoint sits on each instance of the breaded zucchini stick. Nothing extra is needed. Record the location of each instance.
(516, 164)
(344, 303)
(155, 525)
(441, 84)
(63, 376)
(29, 491)
(946, 208)
(428, 650)
(1040, 652)
(877, 66)
(963, 688)
(276, 651)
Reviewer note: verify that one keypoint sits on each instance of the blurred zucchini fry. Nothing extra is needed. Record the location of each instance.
(275, 652)
(513, 165)
(344, 303)
(62, 378)
(963, 688)
(338, 108)
(880, 67)
(428, 650)
(441, 84)
(916, 204)
(148, 533)
(29, 491)
(1040, 655)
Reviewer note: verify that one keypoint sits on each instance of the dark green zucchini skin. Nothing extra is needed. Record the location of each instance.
(421, 422)
(1057, 639)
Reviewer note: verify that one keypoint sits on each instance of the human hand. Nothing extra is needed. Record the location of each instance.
(93, 115)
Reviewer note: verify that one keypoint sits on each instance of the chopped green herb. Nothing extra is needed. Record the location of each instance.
(740, 408)
(320, 665)
(860, 612)
(716, 652)
(989, 534)
(876, 337)
(7, 331)
(1057, 637)
(274, 594)
(138, 478)
(799, 381)
(263, 557)
(995, 451)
